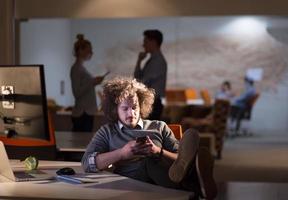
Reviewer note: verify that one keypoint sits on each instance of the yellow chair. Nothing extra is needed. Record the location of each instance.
(205, 95)
(190, 93)
(177, 130)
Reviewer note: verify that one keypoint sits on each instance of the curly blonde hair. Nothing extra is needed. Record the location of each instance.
(118, 89)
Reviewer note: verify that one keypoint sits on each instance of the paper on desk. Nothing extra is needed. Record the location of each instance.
(77, 179)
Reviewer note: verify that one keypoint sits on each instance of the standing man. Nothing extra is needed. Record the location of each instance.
(154, 72)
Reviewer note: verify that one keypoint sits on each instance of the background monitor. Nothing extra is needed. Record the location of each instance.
(23, 110)
(23, 102)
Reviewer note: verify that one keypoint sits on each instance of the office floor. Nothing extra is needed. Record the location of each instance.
(254, 167)
(252, 191)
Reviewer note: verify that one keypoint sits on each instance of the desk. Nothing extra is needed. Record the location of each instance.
(174, 112)
(63, 120)
(68, 141)
(72, 145)
(109, 186)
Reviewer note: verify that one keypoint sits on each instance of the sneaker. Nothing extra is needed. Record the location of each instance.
(204, 168)
(188, 147)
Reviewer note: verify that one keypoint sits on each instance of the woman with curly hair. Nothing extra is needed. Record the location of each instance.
(143, 149)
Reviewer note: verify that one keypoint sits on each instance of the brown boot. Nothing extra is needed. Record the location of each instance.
(188, 147)
(204, 168)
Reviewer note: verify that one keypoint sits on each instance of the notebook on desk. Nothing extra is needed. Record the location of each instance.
(19, 176)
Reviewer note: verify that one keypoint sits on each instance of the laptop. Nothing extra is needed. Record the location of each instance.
(19, 176)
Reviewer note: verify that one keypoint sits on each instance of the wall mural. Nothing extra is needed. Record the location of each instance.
(204, 62)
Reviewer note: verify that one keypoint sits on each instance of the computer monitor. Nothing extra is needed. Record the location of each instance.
(23, 109)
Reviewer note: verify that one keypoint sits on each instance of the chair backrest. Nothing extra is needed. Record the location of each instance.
(253, 99)
(221, 112)
(177, 130)
(205, 95)
(175, 95)
(190, 93)
(250, 104)
(220, 117)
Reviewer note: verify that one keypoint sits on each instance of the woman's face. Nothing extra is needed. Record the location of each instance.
(129, 111)
(86, 53)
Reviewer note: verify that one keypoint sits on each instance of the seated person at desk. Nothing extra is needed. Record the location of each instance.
(223, 94)
(160, 159)
(240, 103)
(225, 91)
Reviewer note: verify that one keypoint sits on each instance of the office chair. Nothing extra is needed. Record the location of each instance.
(240, 115)
(177, 130)
(205, 95)
(190, 94)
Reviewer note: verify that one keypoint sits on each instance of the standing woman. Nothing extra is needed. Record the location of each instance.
(83, 87)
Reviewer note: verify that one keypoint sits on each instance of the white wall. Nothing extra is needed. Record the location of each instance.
(198, 52)
(116, 43)
(48, 42)
(270, 115)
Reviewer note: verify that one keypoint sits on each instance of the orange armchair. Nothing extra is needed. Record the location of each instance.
(205, 95)
(177, 130)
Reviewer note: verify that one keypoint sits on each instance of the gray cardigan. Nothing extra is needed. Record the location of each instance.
(109, 137)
